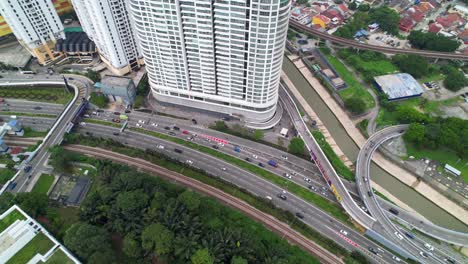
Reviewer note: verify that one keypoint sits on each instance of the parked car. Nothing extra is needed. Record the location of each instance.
(261, 165)
(299, 215)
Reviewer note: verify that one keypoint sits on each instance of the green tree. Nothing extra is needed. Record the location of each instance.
(258, 134)
(85, 239)
(355, 104)
(455, 80)
(202, 256)
(99, 100)
(93, 75)
(34, 204)
(158, 239)
(131, 247)
(415, 134)
(6, 201)
(407, 114)
(238, 260)
(415, 65)
(60, 159)
(432, 41)
(352, 5)
(131, 204)
(190, 199)
(296, 146)
(364, 7)
(387, 18)
(139, 100)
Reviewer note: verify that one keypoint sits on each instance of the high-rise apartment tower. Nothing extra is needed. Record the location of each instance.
(108, 24)
(219, 55)
(35, 24)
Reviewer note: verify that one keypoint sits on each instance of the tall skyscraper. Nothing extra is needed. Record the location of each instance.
(107, 23)
(219, 55)
(35, 24)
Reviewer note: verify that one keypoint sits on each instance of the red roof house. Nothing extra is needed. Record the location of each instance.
(406, 24)
(451, 21)
(434, 28)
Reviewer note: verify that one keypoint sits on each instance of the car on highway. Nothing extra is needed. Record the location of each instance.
(172, 133)
(393, 211)
(100, 111)
(287, 175)
(284, 157)
(300, 215)
(282, 196)
(215, 146)
(189, 162)
(449, 260)
(116, 113)
(127, 111)
(37, 108)
(116, 133)
(429, 246)
(160, 147)
(313, 188)
(254, 156)
(30, 175)
(194, 121)
(185, 132)
(82, 124)
(371, 249)
(273, 163)
(176, 128)
(167, 128)
(141, 121)
(261, 165)
(27, 169)
(248, 159)
(398, 235)
(369, 193)
(223, 169)
(178, 150)
(13, 185)
(409, 235)
(86, 116)
(307, 179)
(115, 120)
(395, 258)
(269, 198)
(423, 254)
(139, 125)
(364, 209)
(343, 232)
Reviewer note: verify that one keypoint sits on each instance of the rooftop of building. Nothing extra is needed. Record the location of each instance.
(399, 85)
(21, 237)
(14, 55)
(115, 81)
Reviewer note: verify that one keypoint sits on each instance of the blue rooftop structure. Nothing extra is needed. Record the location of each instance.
(398, 86)
(361, 33)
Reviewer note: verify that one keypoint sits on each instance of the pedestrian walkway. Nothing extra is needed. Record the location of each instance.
(396, 171)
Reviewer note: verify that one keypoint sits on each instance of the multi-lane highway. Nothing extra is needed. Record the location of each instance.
(389, 50)
(23, 179)
(313, 216)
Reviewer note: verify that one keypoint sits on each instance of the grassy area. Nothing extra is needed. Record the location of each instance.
(29, 132)
(99, 100)
(432, 78)
(381, 195)
(363, 127)
(104, 123)
(335, 161)
(60, 219)
(354, 87)
(6, 174)
(321, 202)
(59, 258)
(43, 184)
(57, 95)
(441, 155)
(39, 244)
(10, 219)
(26, 114)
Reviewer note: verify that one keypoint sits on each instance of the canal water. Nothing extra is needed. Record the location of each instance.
(350, 149)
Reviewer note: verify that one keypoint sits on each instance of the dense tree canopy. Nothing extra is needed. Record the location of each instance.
(296, 146)
(431, 41)
(160, 220)
(415, 133)
(355, 104)
(387, 18)
(455, 79)
(359, 20)
(415, 65)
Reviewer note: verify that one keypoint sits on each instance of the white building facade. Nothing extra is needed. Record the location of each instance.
(108, 24)
(36, 25)
(219, 55)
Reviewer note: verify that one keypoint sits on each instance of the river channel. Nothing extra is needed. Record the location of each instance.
(398, 189)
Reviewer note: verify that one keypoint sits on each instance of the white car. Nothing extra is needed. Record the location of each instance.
(190, 162)
(141, 121)
(160, 147)
(82, 124)
(139, 125)
(284, 157)
(429, 246)
(223, 169)
(399, 235)
(343, 232)
(287, 175)
(255, 156)
(397, 259)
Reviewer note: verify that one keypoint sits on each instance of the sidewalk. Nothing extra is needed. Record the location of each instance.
(397, 172)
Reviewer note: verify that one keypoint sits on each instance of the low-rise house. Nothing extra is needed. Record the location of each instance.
(321, 20)
(464, 36)
(434, 28)
(451, 21)
(461, 10)
(406, 24)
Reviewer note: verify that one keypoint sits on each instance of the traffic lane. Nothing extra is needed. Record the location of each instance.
(241, 178)
(37, 163)
(363, 162)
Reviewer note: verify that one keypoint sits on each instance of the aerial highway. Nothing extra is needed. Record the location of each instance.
(36, 162)
(272, 223)
(379, 222)
(313, 216)
(363, 180)
(389, 50)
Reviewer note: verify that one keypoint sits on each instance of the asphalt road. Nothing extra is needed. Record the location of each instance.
(314, 217)
(23, 106)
